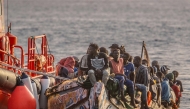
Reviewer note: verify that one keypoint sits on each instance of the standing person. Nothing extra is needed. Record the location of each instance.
(176, 91)
(156, 87)
(116, 65)
(175, 88)
(97, 64)
(179, 84)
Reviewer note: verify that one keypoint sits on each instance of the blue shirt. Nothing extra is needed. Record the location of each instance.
(165, 95)
(128, 69)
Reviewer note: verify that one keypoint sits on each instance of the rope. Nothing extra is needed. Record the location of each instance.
(36, 72)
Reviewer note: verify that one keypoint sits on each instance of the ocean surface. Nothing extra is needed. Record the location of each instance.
(71, 25)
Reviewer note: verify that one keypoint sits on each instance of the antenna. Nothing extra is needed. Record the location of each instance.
(7, 15)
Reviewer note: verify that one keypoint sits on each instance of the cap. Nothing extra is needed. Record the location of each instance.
(114, 46)
(164, 68)
(170, 76)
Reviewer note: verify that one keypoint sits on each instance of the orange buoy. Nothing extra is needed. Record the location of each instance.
(149, 97)
(21, 98)
(4, 99)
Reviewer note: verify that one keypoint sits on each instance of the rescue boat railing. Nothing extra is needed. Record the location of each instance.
(33, 71)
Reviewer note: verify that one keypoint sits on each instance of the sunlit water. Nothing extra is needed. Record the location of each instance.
(71, 25)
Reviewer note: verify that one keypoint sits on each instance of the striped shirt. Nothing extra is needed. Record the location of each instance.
(142, 76)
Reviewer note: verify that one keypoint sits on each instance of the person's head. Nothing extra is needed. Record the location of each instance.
(116, 54)
(145, 62)
(170, 76)
(176, 73)
(93, 48)
(130, 59)
(160, 75)
(164, 69)
(104, 50)
(156, 64)
(137, 61)
(76, 61)
(122, 49)
(114, 47)
(126, 56)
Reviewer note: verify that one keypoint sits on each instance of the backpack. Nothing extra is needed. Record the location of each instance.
(113, 86)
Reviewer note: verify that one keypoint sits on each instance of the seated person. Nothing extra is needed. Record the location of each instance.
(97, 64)
(155, 89)
(83, 68)
(116, 65)
(83, 65)
(143, 89)
(177, 82)
(129, 68)
(176, 91)
(112, 48)
(65, 67)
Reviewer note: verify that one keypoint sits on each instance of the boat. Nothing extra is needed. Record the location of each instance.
(33, 74)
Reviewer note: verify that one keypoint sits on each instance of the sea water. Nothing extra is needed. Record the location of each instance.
(71, 25)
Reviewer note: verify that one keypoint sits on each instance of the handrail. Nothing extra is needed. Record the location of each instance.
(48, 66)
(22, 55)
(11, 60)
(33, 71)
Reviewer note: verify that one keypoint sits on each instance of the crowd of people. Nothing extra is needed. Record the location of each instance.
(134, 73)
